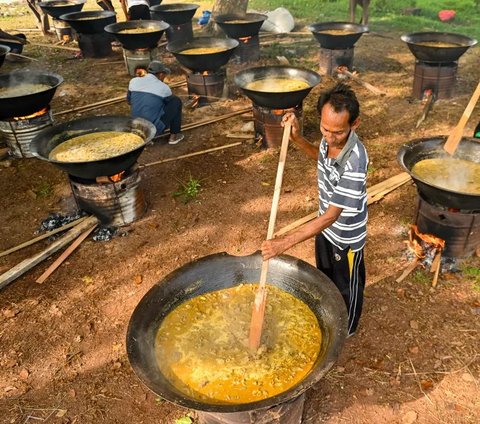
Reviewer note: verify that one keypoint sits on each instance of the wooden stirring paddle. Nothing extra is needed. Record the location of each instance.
(456, 135)
(258, 312)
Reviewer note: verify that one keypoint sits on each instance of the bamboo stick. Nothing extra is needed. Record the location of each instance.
(189, 155)
(21, 268)
(65, 255)
(55, 47)
(343, 70)
(374, 193)
(22, 56)
(43, 236)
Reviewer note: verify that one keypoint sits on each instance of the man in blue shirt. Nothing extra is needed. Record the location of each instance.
(150, 98)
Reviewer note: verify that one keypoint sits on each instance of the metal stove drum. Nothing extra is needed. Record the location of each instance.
(206, 79)
(450, 215)
(23, 117)
(110, 188)
(270, 107)
(179, 17)
(436, 61)
(93, 41)
(244, 29)
(337, 41)
(56, 8)
(139, 49)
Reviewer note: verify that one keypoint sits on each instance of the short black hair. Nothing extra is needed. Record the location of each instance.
(341, 97)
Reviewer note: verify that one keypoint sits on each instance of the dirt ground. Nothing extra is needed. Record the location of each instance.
(63, 359)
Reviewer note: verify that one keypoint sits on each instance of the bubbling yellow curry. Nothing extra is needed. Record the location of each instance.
(202, 346)
(337, 32)
(23, 89)
(450, 174)
(277, 85)
(137, 30)
(437, 44)
(95, 146)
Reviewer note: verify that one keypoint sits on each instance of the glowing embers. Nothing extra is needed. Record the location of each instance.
(248, 49)
(116, 200)
(205, 87)
(19, 131)
(330, 59)
(268, 124)
(438, 77)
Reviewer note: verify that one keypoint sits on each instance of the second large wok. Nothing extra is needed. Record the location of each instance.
(426, 148)
(276, 100)
(48, 139)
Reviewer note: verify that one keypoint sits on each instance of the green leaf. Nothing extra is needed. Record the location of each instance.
(184, 420)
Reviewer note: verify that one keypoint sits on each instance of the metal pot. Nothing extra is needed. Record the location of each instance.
(438, 54)
(221, 271)
(337, 42)
(48, 139)
(174, 13)
(3, 53)
(12, 107)
(249, 27)
(144, 40)
(56, 8)
(203, 62)
(92, 22)
(282, 100)
(425, 148)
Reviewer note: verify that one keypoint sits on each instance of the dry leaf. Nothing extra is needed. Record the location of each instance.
(61, 413)
(413, 349)
(410, 417)
(72, 393)
(426, 384)
(369, 392)
(414, 324)
(138, 279)
(116, 347)
(265, 184)
(10, 312)
(468, 377)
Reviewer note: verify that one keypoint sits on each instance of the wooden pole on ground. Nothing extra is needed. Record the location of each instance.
(70, 249)
(21, 268)
(343, 70)
(258, 313)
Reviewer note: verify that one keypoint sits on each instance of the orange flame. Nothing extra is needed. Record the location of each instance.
(41, 112)
(244, 39)
(420, 243)
(117, 177)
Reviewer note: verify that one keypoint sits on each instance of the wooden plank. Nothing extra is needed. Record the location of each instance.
(24, 266)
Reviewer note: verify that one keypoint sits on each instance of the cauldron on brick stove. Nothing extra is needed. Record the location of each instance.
(220, 271)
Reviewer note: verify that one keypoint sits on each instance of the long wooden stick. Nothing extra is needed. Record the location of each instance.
(189, 155)
(65, 255)
(407, 270)
(343, 70)
(22, 56)
(456, 135)
(374, 193)
(258, 313)
(21, 268)
(55, 47)
(43, 236)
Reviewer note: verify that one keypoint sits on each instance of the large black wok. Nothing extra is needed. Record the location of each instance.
(92, 22)
(174, 13)
(250, 25)
(203, 62)
(221, 271)
(3, 53)
(48, 139)
(282, 100)
(11, 107)
(143, 40)
(438, 54)
(337, 42)
(56, 8)
(425, 148)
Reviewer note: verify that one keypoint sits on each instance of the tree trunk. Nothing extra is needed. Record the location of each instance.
(40, 15)
(222, 7)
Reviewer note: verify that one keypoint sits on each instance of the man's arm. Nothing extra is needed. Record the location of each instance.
(274, 247)
(124, 8)
(310, 149)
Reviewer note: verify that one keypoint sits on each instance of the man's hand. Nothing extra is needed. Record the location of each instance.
(290, 117)
(273, 247)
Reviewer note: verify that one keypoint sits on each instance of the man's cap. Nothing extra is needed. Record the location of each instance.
(157, 67)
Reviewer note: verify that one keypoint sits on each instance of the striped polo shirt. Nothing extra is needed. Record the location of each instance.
(146, 96)
(342, 183)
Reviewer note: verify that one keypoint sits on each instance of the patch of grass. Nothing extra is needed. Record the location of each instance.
(371, 170)
(44, 189)
(421, 277)
(473, 273)
(188, 190)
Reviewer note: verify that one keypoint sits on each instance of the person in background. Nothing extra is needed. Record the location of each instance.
(341, 226)
(106, 5)
(150, 98)
(136, 9)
